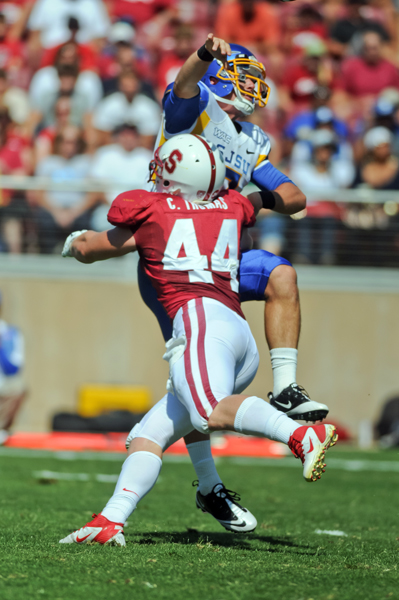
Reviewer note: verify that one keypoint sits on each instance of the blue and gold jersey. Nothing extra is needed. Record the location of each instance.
(244, 146)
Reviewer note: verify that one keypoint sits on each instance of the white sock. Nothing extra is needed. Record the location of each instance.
(138, 476)
(284, 361)
(201, 457)
(257, 417)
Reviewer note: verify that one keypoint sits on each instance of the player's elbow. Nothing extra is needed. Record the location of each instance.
(301, 201)
(296, 202)
(86, 260)
(82, 254)
(185, 88)
(289, 200)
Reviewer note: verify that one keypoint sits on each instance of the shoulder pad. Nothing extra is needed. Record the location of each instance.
(130, 207)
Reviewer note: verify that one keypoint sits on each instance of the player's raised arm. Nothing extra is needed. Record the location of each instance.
(90, 246)
(197, 65)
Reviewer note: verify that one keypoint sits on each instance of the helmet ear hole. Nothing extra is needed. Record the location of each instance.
(166, 182)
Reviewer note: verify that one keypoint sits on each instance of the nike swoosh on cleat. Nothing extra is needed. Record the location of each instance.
(287, 404)
(243, 524)
(79, 540)
(126, 490)
(311, 448)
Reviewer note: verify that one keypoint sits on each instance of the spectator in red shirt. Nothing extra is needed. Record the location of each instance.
(15, 154)
(139, 11)
(13, 55)
(369, 73)
(302, 78)
(10, 49)
(250, 23)
(364, 77)
(15, 159)
(72, 51)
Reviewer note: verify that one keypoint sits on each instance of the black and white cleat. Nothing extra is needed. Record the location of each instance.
(295, 403)
(223, 505)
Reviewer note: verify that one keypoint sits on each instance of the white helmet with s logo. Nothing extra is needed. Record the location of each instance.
(187, 165)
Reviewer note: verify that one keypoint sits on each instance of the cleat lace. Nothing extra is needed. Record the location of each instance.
(225, 493)
(296, 448)
(299, 390)
(222, 492)
(295, 390)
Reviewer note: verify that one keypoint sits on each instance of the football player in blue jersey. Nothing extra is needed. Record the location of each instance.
(218, 84)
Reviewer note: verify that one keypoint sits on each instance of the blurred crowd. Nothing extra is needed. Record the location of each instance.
(81, 82)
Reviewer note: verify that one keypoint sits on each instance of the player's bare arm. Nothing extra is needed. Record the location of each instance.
(289, 199)
(186, 84)
(92, 246)
(255, 199)
(286, 199)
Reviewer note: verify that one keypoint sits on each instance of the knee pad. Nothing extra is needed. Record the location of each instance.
(164, 424)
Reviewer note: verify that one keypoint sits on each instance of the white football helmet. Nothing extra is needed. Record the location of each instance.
(189, 166)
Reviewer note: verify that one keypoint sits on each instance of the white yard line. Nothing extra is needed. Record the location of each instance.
(331, 532)
(57, 475)
(102, 478)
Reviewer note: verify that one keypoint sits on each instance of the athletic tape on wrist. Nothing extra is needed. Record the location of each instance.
(204, 55)
(268, 199)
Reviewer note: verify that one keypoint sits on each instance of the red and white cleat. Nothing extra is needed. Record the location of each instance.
(100, 531)
(309, 443)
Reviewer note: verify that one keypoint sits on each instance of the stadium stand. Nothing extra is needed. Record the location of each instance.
(99, 65)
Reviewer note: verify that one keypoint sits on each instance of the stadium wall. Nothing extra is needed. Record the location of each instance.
(87, 324)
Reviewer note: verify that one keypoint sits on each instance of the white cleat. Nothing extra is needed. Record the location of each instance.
(310, 443)
(100, 530)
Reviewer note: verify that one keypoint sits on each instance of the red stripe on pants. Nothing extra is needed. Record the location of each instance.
(187, 365)
(201, 352)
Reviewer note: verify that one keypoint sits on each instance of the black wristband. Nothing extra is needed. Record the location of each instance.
(204, 55)
(268, 199)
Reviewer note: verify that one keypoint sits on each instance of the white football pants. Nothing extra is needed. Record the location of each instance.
(220, 357)
(214, 358)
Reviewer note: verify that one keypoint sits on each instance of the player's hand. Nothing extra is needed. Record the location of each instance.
(66, 251)
(218, 48)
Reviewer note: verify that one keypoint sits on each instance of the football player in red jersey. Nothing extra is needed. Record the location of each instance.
(215, 88)
(188, 235)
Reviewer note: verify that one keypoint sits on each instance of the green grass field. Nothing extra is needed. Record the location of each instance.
(174, 551)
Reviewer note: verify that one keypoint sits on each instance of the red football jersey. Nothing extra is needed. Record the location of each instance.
(188, 250)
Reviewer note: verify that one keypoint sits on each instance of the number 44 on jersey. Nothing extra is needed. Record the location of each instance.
(182, 253)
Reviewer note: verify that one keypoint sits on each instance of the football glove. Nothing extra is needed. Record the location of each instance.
(66, 251)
